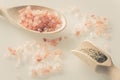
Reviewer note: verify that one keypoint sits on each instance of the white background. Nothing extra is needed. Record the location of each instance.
(74, 69)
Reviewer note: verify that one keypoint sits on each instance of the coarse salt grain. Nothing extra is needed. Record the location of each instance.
(75, 11)
(93, 24)
(43, 58)
(39, 20)
(53, 42)
(79, 30)
(12, 51)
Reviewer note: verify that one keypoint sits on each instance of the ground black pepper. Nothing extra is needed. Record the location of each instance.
(95, 54)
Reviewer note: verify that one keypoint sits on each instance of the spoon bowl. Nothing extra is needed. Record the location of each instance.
(12, 15)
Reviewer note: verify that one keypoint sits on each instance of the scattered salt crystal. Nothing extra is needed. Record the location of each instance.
(77, 33)
(93, 35)
(12, 51)
(42, 58)
(79, 30)
(58, 52)
(92, 23)
(75, 10)
(34, 73)
(53, 42)
(57, 67)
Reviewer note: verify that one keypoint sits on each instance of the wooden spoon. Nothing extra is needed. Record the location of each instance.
(12, 15)
(98, 59)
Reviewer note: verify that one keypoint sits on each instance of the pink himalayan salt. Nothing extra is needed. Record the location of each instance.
(38, 54)
(34, 73)
(53, 42)
(95, 24)
(12, 51)
(77, 33)
(79, 30)
(38, 58)
(39, 20)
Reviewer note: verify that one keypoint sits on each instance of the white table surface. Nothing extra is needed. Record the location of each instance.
(74, 69)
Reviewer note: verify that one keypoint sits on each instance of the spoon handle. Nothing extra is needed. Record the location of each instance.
(114, 73)
(1, 12)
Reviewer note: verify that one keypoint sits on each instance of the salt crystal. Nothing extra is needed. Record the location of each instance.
(92, 23)
(41, 59)
(37, 20)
